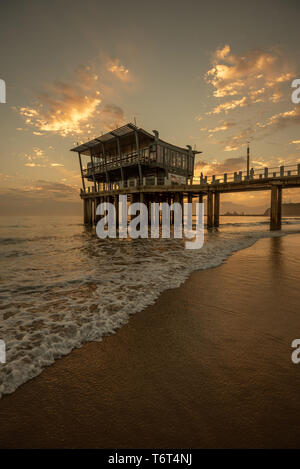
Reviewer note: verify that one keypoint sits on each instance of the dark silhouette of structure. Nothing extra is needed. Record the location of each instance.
(129, 160)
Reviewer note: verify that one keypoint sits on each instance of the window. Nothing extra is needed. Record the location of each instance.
(152, 153)
(189, 163)
(162, 154)
(159, 153)
(167, 157)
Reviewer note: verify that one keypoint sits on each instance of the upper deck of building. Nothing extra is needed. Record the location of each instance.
(130, 150)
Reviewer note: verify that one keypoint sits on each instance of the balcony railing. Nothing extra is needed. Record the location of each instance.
(155, 154)
(128, 159)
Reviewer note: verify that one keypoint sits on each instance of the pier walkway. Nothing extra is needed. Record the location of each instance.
(154, 189)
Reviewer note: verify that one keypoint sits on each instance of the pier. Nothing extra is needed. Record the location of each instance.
(130, 161)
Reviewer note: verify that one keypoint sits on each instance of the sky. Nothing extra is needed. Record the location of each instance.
(213, 75)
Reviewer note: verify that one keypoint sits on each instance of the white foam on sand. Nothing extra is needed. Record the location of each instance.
(46, 320)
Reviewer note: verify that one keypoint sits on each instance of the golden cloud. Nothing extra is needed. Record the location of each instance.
(229, 165)
(220, 54)
(283, 119)
(233, 143)
(255, 74)
(37, 159)
(65, 108)
(230, 148)
(224, 126)
(34, 165)
(120, 71)
(75, 109)
(230, 105)
(244, 79)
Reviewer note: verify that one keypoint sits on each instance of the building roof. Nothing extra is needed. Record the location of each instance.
(109, 136)
(114, 134)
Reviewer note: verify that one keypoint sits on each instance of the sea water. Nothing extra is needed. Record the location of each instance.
(62, 286)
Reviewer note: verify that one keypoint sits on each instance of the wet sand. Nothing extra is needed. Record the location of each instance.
(207, 366)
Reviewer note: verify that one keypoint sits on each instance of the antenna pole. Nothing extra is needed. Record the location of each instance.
(248, 160)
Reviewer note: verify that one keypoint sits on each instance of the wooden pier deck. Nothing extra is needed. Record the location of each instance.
(154, 190)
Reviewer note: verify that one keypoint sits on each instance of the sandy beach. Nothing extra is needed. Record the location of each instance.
(208, 365)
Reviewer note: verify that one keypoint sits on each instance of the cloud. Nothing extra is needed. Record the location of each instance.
(256, 75)
(48, 189)
(229, 165)
(5, 177)
(56, 190)
(35, 165)
(240, 80)
(282, 120)
(76, 108)
(224, 126)
(230, 105)
(231, 148)
(112, 116)
(36, 159)
(220, 54)
(234, 142)
(40, 198)
(120, 71)
(39, 153)
(64, 108)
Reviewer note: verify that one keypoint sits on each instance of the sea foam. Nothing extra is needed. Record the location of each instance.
(72, 289)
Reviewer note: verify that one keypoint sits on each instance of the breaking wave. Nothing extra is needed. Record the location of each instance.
(73, 288)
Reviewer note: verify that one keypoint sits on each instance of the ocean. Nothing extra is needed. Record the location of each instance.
(61, 286)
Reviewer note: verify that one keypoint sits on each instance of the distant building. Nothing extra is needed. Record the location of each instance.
(288, 210)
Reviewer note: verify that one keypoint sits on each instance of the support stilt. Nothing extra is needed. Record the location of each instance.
(216, 209)
(210, 209)
(116, 204)
(149, 198)
(172, 200)
(85, 211)
(275, 215)
(90, 212)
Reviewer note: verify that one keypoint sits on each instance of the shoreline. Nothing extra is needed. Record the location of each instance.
(170, 377)
(111, 327)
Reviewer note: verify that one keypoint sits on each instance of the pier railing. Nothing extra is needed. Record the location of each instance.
(235, 177)
(254, 174)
